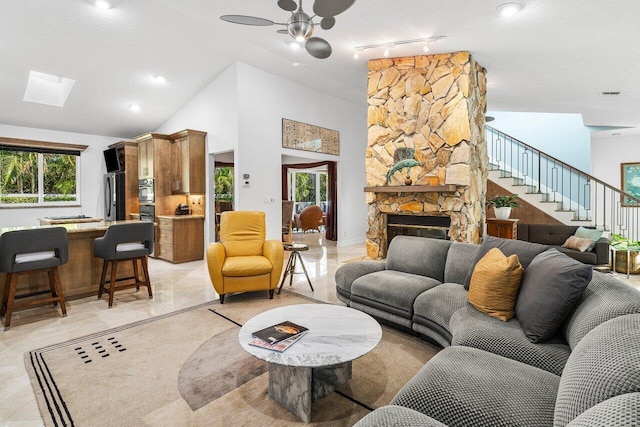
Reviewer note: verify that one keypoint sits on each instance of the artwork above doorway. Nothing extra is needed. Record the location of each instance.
(303, 136)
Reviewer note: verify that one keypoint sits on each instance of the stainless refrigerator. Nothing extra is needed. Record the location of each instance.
(114, 198)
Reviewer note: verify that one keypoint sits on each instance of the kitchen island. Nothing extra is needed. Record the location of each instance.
(80, 276)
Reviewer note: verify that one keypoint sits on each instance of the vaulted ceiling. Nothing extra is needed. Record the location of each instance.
(554, 56)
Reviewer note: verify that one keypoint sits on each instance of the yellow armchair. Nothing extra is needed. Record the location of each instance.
(243, 261)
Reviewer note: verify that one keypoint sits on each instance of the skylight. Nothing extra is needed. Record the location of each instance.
(47, 89)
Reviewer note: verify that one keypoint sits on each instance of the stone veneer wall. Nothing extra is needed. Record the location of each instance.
(435, 104)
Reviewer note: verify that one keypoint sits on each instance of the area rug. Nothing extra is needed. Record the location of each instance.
(187, 368)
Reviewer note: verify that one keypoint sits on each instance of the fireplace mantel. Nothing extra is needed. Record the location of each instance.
(448, 188)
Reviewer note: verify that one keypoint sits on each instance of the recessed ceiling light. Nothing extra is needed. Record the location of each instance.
(158, 78)
(295, 64)
(509, 9)
(103, 4)
(134, 107)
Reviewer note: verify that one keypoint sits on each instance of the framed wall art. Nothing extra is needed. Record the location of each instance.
(630, 174)
(303, 136)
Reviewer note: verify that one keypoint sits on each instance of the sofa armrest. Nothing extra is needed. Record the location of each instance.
(215, 259)
(602, 250)
(274, 251)
(347, 273)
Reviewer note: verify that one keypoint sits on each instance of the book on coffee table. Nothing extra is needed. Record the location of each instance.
(279, 332)
(280, 346)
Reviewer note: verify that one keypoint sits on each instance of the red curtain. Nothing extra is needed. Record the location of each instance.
(331, 226)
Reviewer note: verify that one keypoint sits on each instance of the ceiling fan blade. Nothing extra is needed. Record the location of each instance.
(318, 48)
(282, 32)
(327, 23)
(327, 8)
(247, 20)
(288, 5)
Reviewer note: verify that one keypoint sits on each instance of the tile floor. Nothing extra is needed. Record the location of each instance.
(174, 287)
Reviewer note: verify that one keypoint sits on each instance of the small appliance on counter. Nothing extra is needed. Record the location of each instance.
(182, 209)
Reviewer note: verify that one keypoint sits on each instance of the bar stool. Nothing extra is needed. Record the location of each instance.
(124, 242)
(27, 252)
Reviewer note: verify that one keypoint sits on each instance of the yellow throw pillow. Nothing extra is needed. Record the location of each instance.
(495, 283)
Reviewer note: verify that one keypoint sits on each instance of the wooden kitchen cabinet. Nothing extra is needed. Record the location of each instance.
(180, 238)
(188, 155)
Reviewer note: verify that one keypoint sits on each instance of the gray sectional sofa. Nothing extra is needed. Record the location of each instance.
(490, 373)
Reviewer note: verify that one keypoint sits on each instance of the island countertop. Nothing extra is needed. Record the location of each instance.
(67, 220)
(79, 227)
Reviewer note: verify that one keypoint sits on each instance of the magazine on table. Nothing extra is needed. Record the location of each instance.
(280, 346)
(279, 332)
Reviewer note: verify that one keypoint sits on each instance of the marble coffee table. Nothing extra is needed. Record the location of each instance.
(320, 361)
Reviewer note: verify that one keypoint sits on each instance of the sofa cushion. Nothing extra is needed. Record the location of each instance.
(418, 255)
(462, 386)
(526, 252)
(604, 364)
(620, 411)
(590, 234)
(584, 257)
(397, 416)
(550, 234)
(471, 328)
(457, 266)
(578, 243)
(604, 298)
(347, 273)
(396, 290)
(495, 283)
(438, 304)
(551, 287)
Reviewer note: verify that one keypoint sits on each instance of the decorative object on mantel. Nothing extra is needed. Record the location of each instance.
(302, 136)
(502, 205)
(403, 159)
(630, 176)
(300, 26)
(447, 188)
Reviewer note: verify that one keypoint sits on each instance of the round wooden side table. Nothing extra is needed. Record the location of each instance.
(294, 259)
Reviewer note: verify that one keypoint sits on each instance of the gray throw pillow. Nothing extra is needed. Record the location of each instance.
(526, 251)
(551, 287)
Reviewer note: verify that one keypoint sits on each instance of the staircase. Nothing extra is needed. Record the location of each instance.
(558, 189)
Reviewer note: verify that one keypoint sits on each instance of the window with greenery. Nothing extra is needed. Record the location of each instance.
(32, 177)
(223, 180)
(308, 188)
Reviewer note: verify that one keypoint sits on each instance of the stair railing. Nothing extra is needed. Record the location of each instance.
(589, 198)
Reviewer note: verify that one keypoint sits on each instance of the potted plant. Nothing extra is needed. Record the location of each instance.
(502, 205)
(628, 252)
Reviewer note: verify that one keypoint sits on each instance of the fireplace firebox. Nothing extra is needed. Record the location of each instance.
(433, 226)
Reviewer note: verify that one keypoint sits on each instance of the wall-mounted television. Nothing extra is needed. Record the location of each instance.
(112, 160)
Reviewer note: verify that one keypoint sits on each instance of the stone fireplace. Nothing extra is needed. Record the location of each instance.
(426, 153)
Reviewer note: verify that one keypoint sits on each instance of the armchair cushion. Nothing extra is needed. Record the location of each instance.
(240, 266)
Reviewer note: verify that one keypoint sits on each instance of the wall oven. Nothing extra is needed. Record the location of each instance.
(146, 191)
(147, 213)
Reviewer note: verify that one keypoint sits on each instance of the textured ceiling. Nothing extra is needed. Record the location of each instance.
(555, 56)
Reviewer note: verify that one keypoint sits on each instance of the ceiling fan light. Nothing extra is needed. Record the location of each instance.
(300, 26)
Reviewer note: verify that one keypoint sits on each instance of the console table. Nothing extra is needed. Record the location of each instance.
(505, 228)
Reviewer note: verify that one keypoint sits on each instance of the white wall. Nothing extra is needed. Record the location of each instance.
(91, 170)
(243, 110)
(607, 152)
(562, 136)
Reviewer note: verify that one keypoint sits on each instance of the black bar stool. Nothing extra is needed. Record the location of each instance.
(27, 252)
(124, 242)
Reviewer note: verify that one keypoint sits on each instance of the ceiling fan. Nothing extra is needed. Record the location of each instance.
(300, 26)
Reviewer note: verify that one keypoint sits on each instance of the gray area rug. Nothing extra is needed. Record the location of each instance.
(187, 368)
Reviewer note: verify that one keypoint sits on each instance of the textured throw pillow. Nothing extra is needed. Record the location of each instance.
(577, 243)
(551, 287)
(588, 233)
(495, 283)
(526, 251)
